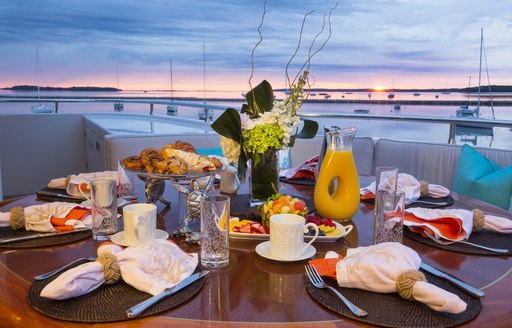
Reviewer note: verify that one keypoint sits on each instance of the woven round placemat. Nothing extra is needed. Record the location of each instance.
(7, 232)
(108, 303)
(484, 238)
(432, 202)
(436, 202)
(301, 181)
(391, 310)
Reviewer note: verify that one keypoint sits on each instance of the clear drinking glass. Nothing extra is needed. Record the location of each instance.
(104, 208)
(389, 219)
(386, 177)
(215, 230)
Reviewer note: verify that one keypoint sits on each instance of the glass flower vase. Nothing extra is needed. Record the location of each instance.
(263, 177)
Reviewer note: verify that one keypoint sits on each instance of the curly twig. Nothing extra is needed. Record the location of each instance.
(297, 48)
(306, 96)
(310, 56)
(258, 43)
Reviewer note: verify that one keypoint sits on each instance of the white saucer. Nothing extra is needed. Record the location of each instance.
(120, 202)
(118, 238)
(263, 249)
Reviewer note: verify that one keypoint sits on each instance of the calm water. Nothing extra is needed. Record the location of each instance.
(500, 138)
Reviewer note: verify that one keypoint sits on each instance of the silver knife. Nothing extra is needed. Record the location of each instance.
(139, 308)
(56, 194)
(37, 236)
(454, 281)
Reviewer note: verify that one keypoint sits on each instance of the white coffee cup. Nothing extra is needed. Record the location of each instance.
(287, 236)
(139, 222)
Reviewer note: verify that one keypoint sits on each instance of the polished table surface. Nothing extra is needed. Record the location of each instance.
(251, 290)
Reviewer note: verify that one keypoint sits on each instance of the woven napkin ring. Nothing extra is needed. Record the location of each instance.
(110, 268)
(478, 219)
(423, 188)
(406, 281)
(17, 218)
(66, 182)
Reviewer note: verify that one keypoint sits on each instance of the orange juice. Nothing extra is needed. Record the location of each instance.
(342, 202)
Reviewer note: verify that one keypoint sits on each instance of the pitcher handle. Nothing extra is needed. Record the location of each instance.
(314, 226)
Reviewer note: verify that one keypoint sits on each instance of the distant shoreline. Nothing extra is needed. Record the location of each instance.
(82, 89)
(165, 100)
(483, 89)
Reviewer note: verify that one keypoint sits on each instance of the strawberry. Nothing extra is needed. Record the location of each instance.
(263, 230)
(255, 227)
(300, 205)
(246, 228)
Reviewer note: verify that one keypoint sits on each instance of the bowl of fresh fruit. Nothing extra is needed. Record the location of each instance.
(257, 227)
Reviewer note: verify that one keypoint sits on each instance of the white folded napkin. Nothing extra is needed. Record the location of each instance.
(306, 170)
(58, 183)
(410, 186)
(377, 268)
(75, 181)
(452, 224)
(39, 217)
(150, 267)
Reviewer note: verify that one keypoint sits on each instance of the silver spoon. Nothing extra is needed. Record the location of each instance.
(449, 242)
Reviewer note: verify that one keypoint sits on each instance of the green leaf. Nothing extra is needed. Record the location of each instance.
(260, 99)
(228, 124)
(245, 109)
(308, 131)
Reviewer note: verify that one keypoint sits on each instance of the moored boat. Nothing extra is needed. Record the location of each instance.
(204, 113)
(40, 108)
(464, 111)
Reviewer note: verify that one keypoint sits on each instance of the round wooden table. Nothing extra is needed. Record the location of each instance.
(251, 290)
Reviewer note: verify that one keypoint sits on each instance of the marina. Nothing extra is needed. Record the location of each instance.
(399, 118)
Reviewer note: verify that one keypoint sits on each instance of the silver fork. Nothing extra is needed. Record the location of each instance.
(64, 267)
(449, 242)
(318, 282)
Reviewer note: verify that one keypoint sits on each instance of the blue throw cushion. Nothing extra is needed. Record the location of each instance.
(481, 178)
(210, 151)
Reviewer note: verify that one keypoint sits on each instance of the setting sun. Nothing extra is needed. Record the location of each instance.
(378, 88)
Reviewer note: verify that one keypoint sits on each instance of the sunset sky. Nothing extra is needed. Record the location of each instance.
(400, 43)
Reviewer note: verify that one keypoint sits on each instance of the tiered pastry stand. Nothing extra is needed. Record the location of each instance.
(195, 186)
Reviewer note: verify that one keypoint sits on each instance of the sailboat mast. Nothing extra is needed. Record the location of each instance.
(37, 71)
(480, 70)
(204, 73)
(172, 89)
(117, 79)
(206, 109)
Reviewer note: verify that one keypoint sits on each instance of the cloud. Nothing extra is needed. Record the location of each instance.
(81, 40)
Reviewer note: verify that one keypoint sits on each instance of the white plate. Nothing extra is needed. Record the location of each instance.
(118, 238)
(120, 202)
(263, 250)
(261, 236)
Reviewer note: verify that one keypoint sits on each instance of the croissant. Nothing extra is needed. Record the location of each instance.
(196, 163)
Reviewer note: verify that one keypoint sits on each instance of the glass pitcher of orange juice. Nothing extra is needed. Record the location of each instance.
(337, 185)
